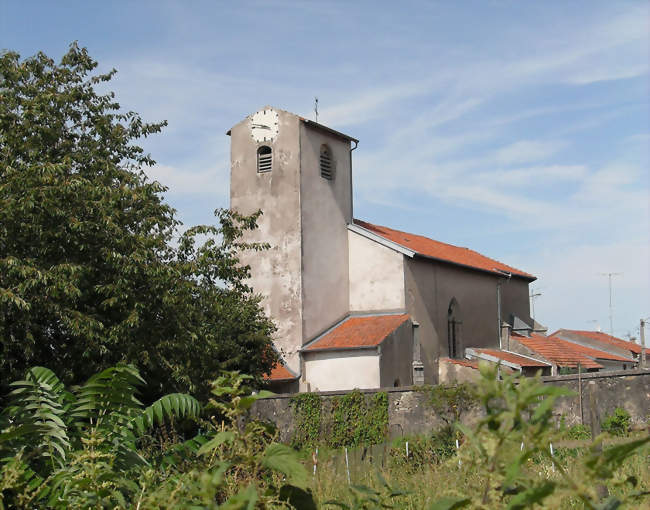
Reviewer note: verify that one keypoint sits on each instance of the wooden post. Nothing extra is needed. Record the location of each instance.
(582, 416)
(594, 420)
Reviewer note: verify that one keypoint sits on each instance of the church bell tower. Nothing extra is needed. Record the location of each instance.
(298, 172)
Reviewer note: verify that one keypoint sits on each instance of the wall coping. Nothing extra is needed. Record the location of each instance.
(597, 375)
(407, 389)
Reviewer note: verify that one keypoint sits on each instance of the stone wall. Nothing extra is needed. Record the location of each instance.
(409, 412)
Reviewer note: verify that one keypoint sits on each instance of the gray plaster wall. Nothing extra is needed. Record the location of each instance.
(430, 287)
(629, 389)
(275, 273)
(396, 357)
(410, 414)
(515, 299)
(325, 211)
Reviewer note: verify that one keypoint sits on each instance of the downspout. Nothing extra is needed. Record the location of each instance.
(356, 144)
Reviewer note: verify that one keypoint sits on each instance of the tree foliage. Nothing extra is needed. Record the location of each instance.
(91, 273)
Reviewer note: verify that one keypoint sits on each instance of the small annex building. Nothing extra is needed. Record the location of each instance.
(357, 305)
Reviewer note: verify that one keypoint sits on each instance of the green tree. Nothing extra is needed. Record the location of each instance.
(91, 273)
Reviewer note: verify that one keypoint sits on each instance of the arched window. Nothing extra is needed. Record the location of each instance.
(326, 163)
(454, 324)
(264, 159)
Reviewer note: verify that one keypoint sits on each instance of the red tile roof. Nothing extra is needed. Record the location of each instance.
(461, 362)
(599, 336)
(358, 332)
(442, 251)
(280, 372)
(557, 351)
(511, 357)
(593, 353)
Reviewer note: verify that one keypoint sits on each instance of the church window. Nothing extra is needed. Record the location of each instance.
(454, 324)
(326, 163)
(264, 159)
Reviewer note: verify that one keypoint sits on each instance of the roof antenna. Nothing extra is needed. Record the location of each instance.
(316, 107)
(533, 295)
(611, 309)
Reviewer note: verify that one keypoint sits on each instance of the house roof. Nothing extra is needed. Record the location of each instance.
(511, 357)
(595, 353)
(356, 332)
(461, 362)
(281, 372)
(560, 352)
(426, 247)
(599, 336)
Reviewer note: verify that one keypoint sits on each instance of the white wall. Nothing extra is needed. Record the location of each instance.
(342, 370)
(376, 275)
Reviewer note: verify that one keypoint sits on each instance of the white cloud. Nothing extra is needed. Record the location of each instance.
(182, 181)
(526, 151)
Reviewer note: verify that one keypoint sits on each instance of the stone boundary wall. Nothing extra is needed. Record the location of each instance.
(409, 412)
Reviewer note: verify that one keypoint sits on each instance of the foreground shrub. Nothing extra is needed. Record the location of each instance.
(617, 423)
(83, 448)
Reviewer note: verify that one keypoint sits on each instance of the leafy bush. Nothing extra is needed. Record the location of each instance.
(617, 423)
(578, 432)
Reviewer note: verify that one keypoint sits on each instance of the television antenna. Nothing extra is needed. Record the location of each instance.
(611, 310)
(316, 108)
(533, 295)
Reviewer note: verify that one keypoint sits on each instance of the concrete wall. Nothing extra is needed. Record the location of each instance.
(325, 211)
(342, 370)
(410, 414)
(628, 389)
(275, 273)
(396, 357)
(376, 275)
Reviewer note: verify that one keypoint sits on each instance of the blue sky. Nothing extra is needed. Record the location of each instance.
(518, 129)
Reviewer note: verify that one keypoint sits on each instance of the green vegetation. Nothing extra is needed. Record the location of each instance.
(354, 420)
(97, 446)
(451, 401)
(578, 432)
(618, 423)
(93, 271)
(307, 409)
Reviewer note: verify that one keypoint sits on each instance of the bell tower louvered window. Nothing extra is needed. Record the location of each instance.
(264, 159)
(326, 163)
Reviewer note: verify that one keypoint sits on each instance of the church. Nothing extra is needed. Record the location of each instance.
(356, 305)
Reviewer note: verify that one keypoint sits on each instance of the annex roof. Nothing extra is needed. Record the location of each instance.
(557, 351)
(281, 373)
(357, 332)
(512, 358)
(429, 248)
(462, 362)
(599, 336)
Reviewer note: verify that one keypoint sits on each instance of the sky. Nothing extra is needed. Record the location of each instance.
(518, 129)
